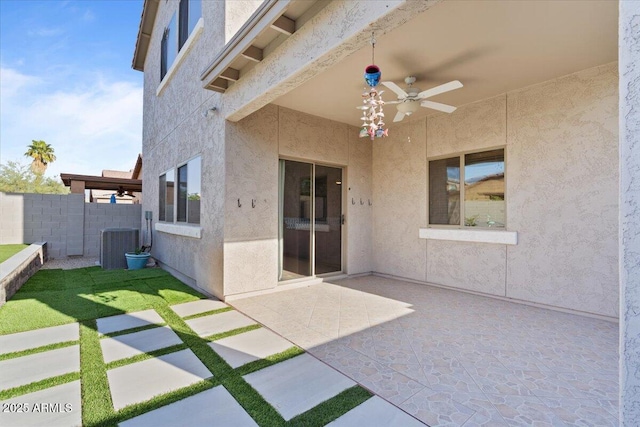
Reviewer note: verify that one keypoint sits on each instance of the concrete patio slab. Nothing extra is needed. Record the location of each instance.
(197, 307)
(214, 407)
(121, 322)
(219, 323)
(129, 345)
(376, 412)
(243, 348)
(297, 385)
(55, 406)
(38, 338)
(35, 367)
(141, 381)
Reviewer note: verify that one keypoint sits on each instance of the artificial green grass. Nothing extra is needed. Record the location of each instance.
(39, 385)
(55, 297)
(37, 350)
(145, 356)
(231, 333)
(331, 409)
(97, 407)
(256, 365)
(7, 251)
(131, 331)
(208, 313)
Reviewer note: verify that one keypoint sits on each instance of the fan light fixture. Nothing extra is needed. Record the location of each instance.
(408, 107)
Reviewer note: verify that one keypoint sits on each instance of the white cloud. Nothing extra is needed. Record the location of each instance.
(45, 32)
(91, 126)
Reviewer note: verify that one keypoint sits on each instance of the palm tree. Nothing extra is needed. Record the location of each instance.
(42, 154)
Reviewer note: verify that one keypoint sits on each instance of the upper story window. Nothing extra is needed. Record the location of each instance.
(184, 189)
(177, 33)
(190, 13)
(480, 202)
(169, 47)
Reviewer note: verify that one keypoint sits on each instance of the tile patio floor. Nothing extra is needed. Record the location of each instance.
(451, 358)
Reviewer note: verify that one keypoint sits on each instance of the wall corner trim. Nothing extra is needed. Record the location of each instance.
(476, 236)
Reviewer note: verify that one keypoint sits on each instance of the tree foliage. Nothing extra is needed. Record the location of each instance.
(42, 154)
(18, 178)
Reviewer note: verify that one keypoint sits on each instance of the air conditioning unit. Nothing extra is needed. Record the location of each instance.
(114, 242)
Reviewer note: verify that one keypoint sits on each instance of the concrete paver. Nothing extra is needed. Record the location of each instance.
(376, 412)
(51, 407)
(243, 348)
(129, 345)
(298, 384)
(213, 407)
(141, 381)
(38, 338)
(197, 307)
(35, 367)
(122, 322)
(219, 323)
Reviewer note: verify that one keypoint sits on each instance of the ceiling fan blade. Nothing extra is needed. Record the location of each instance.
(395, 88)
(399, 116)
(438, 106)
(440, 89)
(393, 102)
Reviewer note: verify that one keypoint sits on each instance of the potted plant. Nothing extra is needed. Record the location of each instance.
(137, 259)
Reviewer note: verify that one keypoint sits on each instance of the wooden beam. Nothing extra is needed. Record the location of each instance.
(253, 53)
(284, 25)
(231, 74)
(219, 85)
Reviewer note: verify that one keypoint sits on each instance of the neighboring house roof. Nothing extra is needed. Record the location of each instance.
(106, 173)
(111, 180)
(149, 11)
(102, 183)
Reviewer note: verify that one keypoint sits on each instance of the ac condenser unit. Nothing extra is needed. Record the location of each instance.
(114, 242)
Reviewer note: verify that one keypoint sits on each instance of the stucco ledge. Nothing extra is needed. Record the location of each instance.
(179, 229)
(464, 235)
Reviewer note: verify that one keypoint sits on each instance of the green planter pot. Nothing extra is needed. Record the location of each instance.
(136, 261)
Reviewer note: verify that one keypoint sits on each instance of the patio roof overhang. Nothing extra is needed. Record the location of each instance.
(79, 183)
(491, 47)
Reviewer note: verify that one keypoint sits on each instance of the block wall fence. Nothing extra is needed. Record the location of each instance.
(70, 226)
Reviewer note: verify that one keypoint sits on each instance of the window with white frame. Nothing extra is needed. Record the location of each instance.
(185, 189)
(168, 47)
(479, 201)
(177, 33)
(190, 12)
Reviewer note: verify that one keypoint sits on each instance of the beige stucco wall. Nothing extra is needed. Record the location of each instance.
(561, 174)
(174, 131)
(399, 197)
(254, 146)
(562, 148)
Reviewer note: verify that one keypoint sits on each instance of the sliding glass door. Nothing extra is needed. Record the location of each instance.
(310, 223)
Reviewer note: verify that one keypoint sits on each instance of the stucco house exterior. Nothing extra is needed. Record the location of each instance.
(257, 178)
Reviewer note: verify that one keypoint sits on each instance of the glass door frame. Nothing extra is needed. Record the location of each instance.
(312, 225)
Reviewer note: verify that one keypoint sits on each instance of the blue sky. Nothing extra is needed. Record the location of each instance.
(66, 78)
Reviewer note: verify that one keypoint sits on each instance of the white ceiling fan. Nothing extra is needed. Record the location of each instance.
(412, 98)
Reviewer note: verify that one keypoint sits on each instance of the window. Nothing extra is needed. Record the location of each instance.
(479, 202)
(168, 47)
(186, 193)
(166, 196)
(177, 33)
(190, 12)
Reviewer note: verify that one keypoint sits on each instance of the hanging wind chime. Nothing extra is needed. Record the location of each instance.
(372, 114)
